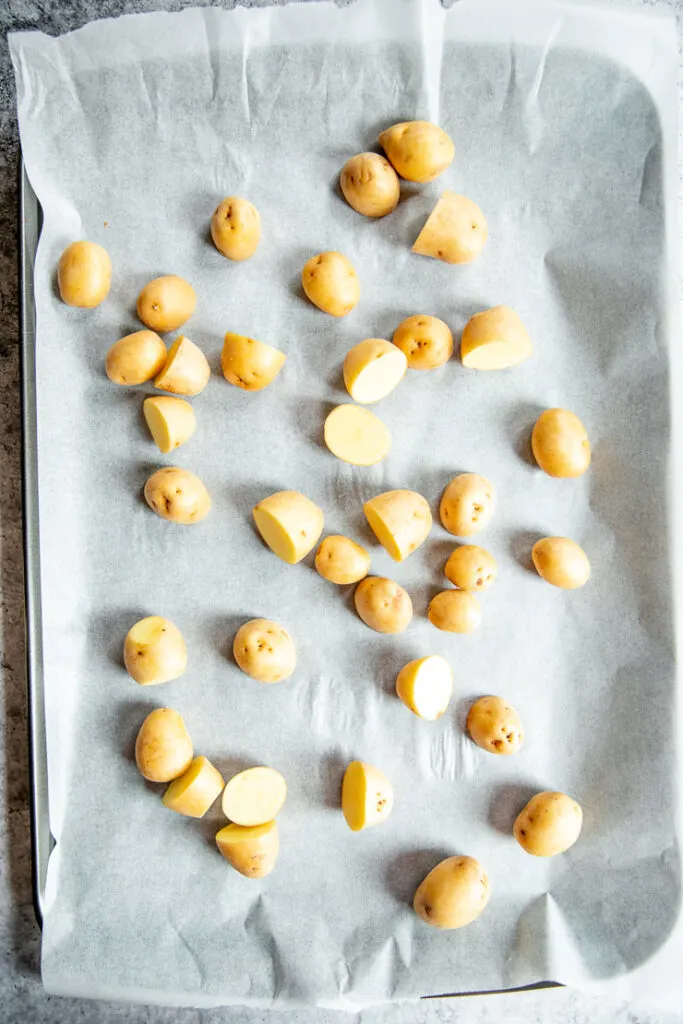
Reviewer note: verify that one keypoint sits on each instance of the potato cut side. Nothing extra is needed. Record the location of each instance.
(196, 790)
(367, 796)
(186, 371)
(426, 686)
(356, 435)
(254, 796)
(401, 521)
(290, 524)
(252, 850)
(494, 340)
(455, 232)
(171, 421)
(372, 369)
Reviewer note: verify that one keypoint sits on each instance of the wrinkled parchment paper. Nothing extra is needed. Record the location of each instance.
(564, 123)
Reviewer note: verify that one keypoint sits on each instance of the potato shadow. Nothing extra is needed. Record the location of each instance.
(519, 425)
(520, 544)
(333, 766)
(220, 631)
(214, 819)
(109, 630)
(422, 595)
(386, 665)
(508, 800)
(461, 710)
(406, 870)
(436, 554)
(130, 715)
(309, 415)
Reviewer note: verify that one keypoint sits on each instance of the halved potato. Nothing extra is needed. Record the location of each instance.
(356, 435)
(249, 364)
(372, 369)
(401, 521)
(419, 150)
(154, 651)
(254, 796)
(171, 421)
(187, 369)
(367, 796)
(426, 686)
(455, 231)
(289, 523)
(193, 793)
(252, 849)
(494, 340)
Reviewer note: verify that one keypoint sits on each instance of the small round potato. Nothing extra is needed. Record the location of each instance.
(383, 605)
(453, 894)
(560, 443)
(549, 824)
(331, 283)
(419, 150)
(236, 228)
(177, 495)
(163, 748)
(494, 725)
(561, 562)
(471, 568)
(340, 560)
(467, 504)
(166, 303)
(136, 358)
(265, 651)
(426, 341)
(154, 651)
(370, 184)
(250, 364)
(455, 611)
(84, 274)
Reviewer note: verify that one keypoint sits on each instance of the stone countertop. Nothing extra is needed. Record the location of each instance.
(22, 998)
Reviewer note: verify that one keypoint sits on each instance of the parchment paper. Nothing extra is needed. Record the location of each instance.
(564, 123)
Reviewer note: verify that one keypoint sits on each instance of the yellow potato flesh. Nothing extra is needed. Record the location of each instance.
(455, 611)
(250, 850)
(419, 150)
(154, 651)
(453, 894)
(166, 303)
(331, 283)
(372, 369)
(426, 686)
(367, 796)
(455, 231)
(561, 562)
(250, 364)
(236, 228)
(340, 560)
(356, 435)
(494, 339)
(254, 796)
(426, 342)
(84, 274)
(549, 824)
(467, 504)
(401, 521)
(186, 371)
(289, 523)
(163, 748)
(495, 726)
(265, 651)
(136, 358)
(383, 605)
(177, 495)
(560, 443)
(171, 421)
(370, 184)
(471, 568)
(193, 793)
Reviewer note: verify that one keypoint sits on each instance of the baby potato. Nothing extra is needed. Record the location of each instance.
(264, 650)
(171, 421)
(340, 560)
(250, 364)
(193, 792)
(236, 228)
(549, 824)
(163, 748)
(401, 521)
(494, 339)
(289, 523)
(370, 184)
(84, 274)
(383, 605)
(455, 231)
(166, 303)
(453, 894)
(560, 443)
(455, 611)
(136, 358)
(467, 504)
(252, 850)
(426, 342)
(331, 283)
(254, 796)
(494, 725)
(419, 150)
(372, 369)
(186, 370)
(177, 495)
(356, 435)
(154, 651)
(561, 562)
(426, 686)
(471, 568)
(367, 796)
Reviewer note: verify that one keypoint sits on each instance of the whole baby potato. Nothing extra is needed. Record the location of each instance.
(154, 651)
(426, 341)
(453, 894)
(561, 562)
(265, 651)
(383, 605)
(370, 184)
(84, 274)
(467, 504)
(494, 725)
(136, 358)
(549, 824)
(331, 283)
(560, 443)
(340, 560)
(455, 611)
(419, 150)
(163, 748)
(177, 495)
(236, 228)
(165, 303)
(471, 568)
(250, 364)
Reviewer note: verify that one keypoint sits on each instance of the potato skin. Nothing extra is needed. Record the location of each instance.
(560, 443)
(84, 274)
(495, 726)
(370, 184)
(467, 504)
(470, 567)
(154, 651)
(136, 358)
(186, 370)
(549, 824)
(342, 561)
(419, 150)
(331, 283)
(453, 894)
(265, 651)
(455, 231)
(251, 850)
(236, 228)
(383, 605)
(426, 341)
(163, 748)
(401, 520)
(561, 562)
(249, 364)
(166, 303)
(455, 611)
(177, 495)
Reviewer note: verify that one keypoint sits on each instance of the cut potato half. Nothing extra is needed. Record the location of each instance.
(372, 369)
(356, 435)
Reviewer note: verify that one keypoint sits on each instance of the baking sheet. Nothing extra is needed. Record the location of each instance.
(564, 121)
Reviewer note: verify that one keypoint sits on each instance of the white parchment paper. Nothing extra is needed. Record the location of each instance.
(564, 123)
